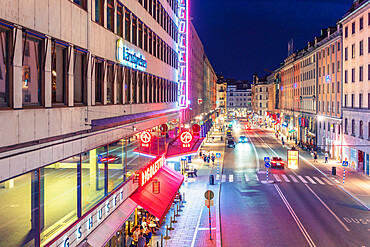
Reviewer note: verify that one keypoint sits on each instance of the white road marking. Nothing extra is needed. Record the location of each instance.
(217, 177)
(257, 178)
(327, 181)
(310, 179)
(277, 177)
(239, 177)
(196, 229)
(247, 178)
(223, 179)
(318, 180)
(231, 178)
(326, 206)
(336, 180)
(293, 178)
(285, 178)
(295, 217)
(302, 179)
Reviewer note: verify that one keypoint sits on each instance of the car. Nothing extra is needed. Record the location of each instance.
(277, 162)
(228, 134)
(109, 158)
(230, 138)
(243, 139)
(230, 143)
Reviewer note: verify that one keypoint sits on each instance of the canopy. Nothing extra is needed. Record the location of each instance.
(158, 204)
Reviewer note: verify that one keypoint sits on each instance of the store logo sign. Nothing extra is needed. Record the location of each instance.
(150, 170)
(129, 58)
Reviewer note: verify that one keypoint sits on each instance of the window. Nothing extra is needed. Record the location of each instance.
(361, 73)
(346, 126)
(368, 101)
(338, 66)
(110, 83)
(345, 100)
(5, 68)
(346, 32)
(119, 85)
(353, 75)
(128, 25)
(346, 53)
(323, 71)
(150, 41)
(338, 46)
(79, 77)
(360, 100)
(260, 104)
(332, 68)
(338, 107)
(99, 79)
(353, 27)
(368, 45)
(59, 73)
(353, 50)
(31, 70)
(332, 107)
(346, 76)
(120, 14)
(361, 23)
(361, 46)
(128, 86)
(110, 15)
(352, 100)
(145, 38)
(368, 72)
(134, 30)
(99, 11)
(338, 87)
(353, 127)
(333, 48)
(82, 3)
(260, 97)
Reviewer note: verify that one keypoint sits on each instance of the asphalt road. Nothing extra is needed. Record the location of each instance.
(300, 208)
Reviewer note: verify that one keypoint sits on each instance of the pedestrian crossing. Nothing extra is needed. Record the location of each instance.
(278, 178)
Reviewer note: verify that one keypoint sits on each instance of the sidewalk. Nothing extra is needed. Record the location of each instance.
(192, 227)
(356, 184)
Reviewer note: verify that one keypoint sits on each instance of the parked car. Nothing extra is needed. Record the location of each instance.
(277, 162)
(230, 143)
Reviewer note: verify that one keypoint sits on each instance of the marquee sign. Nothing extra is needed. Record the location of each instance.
(145, 138)
(183, 99)
(150, 170)
(130, 58)
(186, 137)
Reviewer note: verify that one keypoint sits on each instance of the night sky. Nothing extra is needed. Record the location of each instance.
(241, 37)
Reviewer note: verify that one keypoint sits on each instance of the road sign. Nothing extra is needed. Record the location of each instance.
(266, 159)
(218, 155)
(345, 163)
(267, 165)
(209, 195)
(209, 203)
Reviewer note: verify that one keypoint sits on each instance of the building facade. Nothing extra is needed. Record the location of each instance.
(260, 95)
(356, 94)
(209, 86)
(221, 94)
(239, 97)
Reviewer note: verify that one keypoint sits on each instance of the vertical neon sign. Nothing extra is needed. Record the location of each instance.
(183, 100)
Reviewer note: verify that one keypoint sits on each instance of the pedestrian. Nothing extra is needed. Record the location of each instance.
(208, 159)
(204, 158)
(282, 139)
(129, 240)
(195, 172)
(141, 241)
(283, 142)
(315, 156)
(213, 158)
(200, 153)
(326, 157)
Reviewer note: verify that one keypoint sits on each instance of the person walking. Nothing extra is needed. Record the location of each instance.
(205, 158)
(315, 156)
(326, 157)
(208, 159)
(213, 157)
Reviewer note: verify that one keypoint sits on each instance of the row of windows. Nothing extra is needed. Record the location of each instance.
(360, 74)
(134, 85)
(328, 88)
(353, 101)
(329, 107)
(308, 90)
(308, 75)
(353, 26)
(327, 72)
(360, 50)
(353, 128)
(332, 47)
(155, 9)
(307, 61)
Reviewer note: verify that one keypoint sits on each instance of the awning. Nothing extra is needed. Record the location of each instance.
(101, 235)
(158, 204)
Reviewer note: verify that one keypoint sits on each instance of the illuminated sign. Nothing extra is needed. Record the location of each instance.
(293, 156)
(145, 139)
(327, 78)
(129, 58)
(186, 137)
(150, 170)
(183, 99)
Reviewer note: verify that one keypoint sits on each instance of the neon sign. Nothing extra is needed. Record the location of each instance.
(145, 139)
(183, 100)
(124, 56)
(186, 137)
(150, 170)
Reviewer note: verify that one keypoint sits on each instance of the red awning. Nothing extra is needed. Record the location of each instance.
(158, 204)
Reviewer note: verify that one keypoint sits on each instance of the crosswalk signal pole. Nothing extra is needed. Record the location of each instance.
(267, 175)
(209, 217)
(344, 174)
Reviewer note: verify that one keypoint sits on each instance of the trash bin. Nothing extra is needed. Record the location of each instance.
(333, 170)
(211, 180)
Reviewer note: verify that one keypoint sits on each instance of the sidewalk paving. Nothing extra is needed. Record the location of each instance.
(356, 184)
(192, 228)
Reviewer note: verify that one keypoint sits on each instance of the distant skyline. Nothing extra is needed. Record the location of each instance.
(241, 37)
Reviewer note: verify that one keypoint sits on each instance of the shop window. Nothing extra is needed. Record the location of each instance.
(58, 197)
(110, 15)
(59, 65)
(5, 68)
(82, 3)
(18, 210)
(120, 14)
(92, 177)
(110, 83)
(134, 30)
(140, 37)
(128, 85)
(31, 70)
(128, 25)
(116, 155)
(119, 85)
(99, 11)
(79, 77)
(99, 81)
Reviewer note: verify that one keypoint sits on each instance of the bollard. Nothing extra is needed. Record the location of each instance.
(166, 237)
(157, 244)
(179, 208)
(161, 240)
(174, 217)
(171, 227)
(183, 197)
(177, 211)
